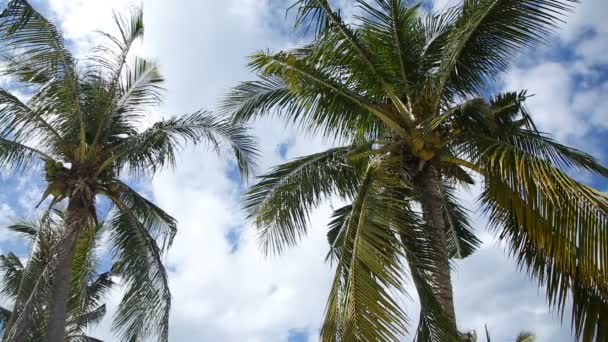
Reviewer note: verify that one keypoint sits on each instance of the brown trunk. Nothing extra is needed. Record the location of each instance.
(428, 184)
(75, 220)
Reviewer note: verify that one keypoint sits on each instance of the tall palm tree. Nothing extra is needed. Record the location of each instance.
(409, 96)
(84, 123)
(88, 287)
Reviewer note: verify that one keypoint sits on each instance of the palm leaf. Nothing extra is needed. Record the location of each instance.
(34, 52)
(282, 199)
(160, 224)
(555, 228)
(145, 306)
(363, 304)
(462, 242)
(156, 147)
(487, 33)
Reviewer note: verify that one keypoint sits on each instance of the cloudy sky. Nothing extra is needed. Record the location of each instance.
(223, 289)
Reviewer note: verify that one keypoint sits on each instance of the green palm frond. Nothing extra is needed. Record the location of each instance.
(555, 227)
(27, 229)
(349, 48)
(16, 157)
(394, 30)
(97, 289)
(131, 83)
(160, 224)
(33, 46)
(336, 106)
(86, 319)
(485, 35)
(141, 87)
(462, 242)
(363, 304)
(113, 55)
(12, 271)
(156, 147)
(27, 319)
(20, 121)
(34, 52)
(255, 98)
(282, 199)
(27, 283)
(336, 230)
(145, 306)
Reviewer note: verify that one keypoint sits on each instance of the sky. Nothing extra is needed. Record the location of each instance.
(223, 288)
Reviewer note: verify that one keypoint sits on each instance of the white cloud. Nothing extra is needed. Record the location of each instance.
(551, 105)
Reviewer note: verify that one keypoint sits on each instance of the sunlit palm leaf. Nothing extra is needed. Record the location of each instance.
(363, 304)
(555, 227)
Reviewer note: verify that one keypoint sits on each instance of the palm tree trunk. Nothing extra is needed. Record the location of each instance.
(75, 220)
(428, 183)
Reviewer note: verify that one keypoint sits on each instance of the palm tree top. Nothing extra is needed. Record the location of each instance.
(410, 96)
(83, 124)
(20, 280)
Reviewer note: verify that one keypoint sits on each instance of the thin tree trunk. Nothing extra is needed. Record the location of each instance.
(428, 183)
(75, 220)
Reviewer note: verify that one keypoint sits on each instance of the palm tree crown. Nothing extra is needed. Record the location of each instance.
(83, 122)
(409, 94)
(21, 281)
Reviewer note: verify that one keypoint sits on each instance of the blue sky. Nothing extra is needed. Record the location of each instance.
(223, 289)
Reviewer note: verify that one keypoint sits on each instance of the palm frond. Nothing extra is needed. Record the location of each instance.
(351, 49)
(144, 309)
(113, 58)
(462, 242)
(393, 29)
(113, 55)
(12, 271)
(156, 147)
(19, 121)
(313, 83)
(84, 320)
(487, 33)
(282, 199)
(363, 304)
(335, 231)
(16, 157)
(33, 51)
(32, 45)
(161, 225)
(27, 229)
(28, 285)
(141, 88)
(555, 227)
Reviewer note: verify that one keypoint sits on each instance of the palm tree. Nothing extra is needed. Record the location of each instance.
(87, 291)
(408, 95)
(84, 123)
